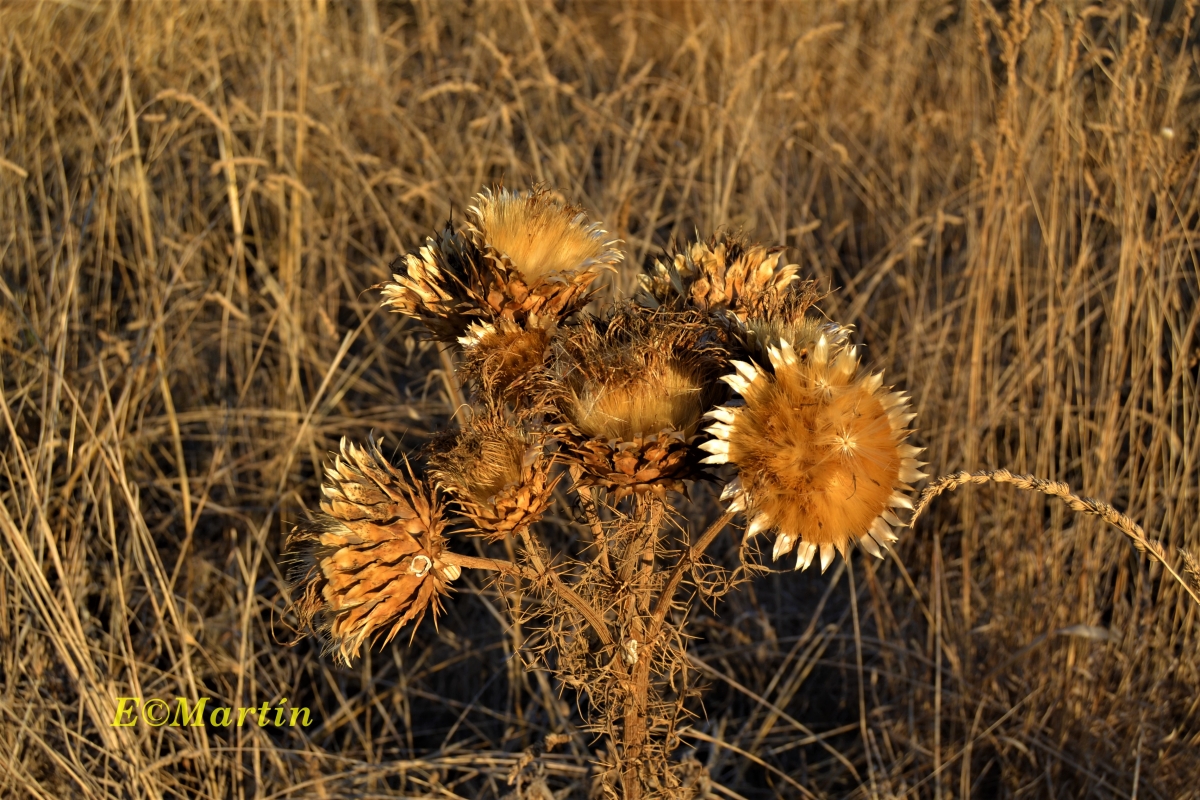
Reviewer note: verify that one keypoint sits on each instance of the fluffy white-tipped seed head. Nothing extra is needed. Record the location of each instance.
(820, 451)
(540, 235)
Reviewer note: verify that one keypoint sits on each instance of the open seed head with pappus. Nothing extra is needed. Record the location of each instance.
(630, 389)
(526, 258)
(820, 451)
(496, 470)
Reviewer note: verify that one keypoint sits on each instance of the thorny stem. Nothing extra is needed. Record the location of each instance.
(634, 732)
(588, 502)
(636, 619)
(566, 593)
(686, 561)
(491, 564)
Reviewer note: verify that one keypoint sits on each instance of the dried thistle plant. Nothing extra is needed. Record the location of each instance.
(718, 372)
(619, 403)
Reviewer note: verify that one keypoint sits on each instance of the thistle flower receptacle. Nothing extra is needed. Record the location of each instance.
(724, 273)
(496, 473)
(820, 451)
(632, 389)
(372, 561)
(505, 358)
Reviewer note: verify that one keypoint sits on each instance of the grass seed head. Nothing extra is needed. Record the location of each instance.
(820, 451)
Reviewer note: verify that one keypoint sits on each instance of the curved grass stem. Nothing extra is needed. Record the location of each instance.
(1083, 505)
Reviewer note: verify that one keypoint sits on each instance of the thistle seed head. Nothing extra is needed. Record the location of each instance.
(371, 562)
(631, 390)
(506, 359)
(497, 473)
(820, 451)
(540, 237)
(636, 373)
(439, 285)
(724, 273)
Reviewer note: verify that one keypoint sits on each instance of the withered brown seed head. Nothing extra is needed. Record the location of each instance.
(496, 472)
(540, 236)
(439, 285)
(726, 272)
(480, 460)
(371, 562)
(765, 332)
(656, 394)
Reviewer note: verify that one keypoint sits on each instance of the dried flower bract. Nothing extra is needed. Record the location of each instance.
(724, 273)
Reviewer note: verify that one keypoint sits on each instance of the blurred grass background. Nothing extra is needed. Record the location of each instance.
(194, 198)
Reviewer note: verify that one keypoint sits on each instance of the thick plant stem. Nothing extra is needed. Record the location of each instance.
(637, 569)
(643, 626)
(635, 729)
(565, 592)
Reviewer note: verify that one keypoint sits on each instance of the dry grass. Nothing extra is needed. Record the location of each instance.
(193, 199)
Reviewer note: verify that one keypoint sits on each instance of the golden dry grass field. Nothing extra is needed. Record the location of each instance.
(195, 197)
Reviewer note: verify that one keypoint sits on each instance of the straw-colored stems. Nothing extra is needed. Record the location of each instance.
(1084, 505)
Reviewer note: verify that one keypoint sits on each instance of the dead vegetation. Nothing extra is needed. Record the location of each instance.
(194, 198)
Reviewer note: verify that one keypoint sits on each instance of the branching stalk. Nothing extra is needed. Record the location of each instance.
(687, 560)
